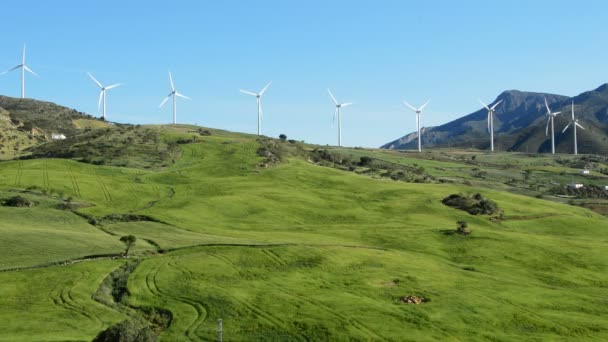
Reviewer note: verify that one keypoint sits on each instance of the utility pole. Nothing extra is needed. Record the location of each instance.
(219, 330)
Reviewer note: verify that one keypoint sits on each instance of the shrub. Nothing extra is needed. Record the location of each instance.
(283, 137)
(474, 205)
(19, 202)
(462, 228)
(127, 331)
(365, 161)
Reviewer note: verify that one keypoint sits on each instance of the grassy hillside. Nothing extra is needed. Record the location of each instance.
(299, 251)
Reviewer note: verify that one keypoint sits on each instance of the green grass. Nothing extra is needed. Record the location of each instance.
(303, 252)
(54, 304)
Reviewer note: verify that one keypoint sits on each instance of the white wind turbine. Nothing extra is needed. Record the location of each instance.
(175, 95)
(259, 100)
(338, 112)
(24, 68)
(574, 123)
(491, 111)
(550, 118)
(102, 94)
(418, 112)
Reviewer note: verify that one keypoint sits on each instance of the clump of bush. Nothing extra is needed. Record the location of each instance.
(18, 202)
(204, 132)
(463, 228)
(127, 331)
(474, 205)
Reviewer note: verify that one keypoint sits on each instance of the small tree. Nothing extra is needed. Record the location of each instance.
(463, 228)
(129, 241)
(283, 137)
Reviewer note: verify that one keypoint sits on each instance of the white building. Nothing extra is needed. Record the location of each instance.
(575, 185)
(57, 136)
(585, 172)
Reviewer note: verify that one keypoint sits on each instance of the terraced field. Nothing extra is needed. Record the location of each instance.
(296, 251)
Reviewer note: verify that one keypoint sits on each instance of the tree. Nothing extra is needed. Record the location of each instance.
(129, 241)
(283, 137)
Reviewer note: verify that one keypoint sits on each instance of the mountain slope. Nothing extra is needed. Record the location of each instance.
(520, 125)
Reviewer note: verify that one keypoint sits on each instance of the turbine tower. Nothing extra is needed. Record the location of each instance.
(259, 100)
(491, 111)
(574, 123)
(338, 112)
(102, 94)
(418, 112)
(175, 94)
(24, 68)
(550, 118)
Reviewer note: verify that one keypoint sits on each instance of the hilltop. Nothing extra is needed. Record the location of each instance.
(288, 241)
(520, 123)
(27, 122)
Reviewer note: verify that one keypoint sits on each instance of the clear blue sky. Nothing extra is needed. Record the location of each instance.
(373, 53)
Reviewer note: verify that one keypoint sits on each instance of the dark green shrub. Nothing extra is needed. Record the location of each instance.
(127, 331)
(19, 202)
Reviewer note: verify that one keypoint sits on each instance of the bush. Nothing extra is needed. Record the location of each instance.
(283, 137)
(365, 161)
(475, 205)
(127, 331)
(462, 228)
(19, 202)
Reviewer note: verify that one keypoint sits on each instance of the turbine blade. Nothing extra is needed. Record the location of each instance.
(94, 80)
(248, 92)
(333, 121)
(573, 111)
(409, 105)
(164, 101)
(7, 71)
(23, 55)
(556, 113)
(182, 96)
(113, 86)
(346, 104)
(265, 88)
(332, 96)
(171, 81)
(489, 113)
(496, 105)
(424, 105)
(30, 70)
(547, 129)
(565, 128)
(99, 101)
(547, 105)
(485, 105)
(579, 125)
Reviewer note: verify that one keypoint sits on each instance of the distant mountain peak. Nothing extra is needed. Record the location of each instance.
(519, 123)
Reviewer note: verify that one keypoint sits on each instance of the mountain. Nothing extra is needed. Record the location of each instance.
(520, 124)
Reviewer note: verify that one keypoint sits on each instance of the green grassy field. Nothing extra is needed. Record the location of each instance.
(300, 252)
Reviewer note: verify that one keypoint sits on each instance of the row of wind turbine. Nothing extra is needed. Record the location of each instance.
(174, 94)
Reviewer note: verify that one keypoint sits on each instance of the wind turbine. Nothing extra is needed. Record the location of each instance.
(491, 111)
(24, 68)
(259, 100)
(418, 112)
(175, 95)
(102, 94)
(574, 123)
(338, 112)
(550, 118)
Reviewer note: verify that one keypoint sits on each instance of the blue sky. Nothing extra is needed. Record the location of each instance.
(373, 53)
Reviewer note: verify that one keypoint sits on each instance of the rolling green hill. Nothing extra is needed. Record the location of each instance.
(287, 244)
